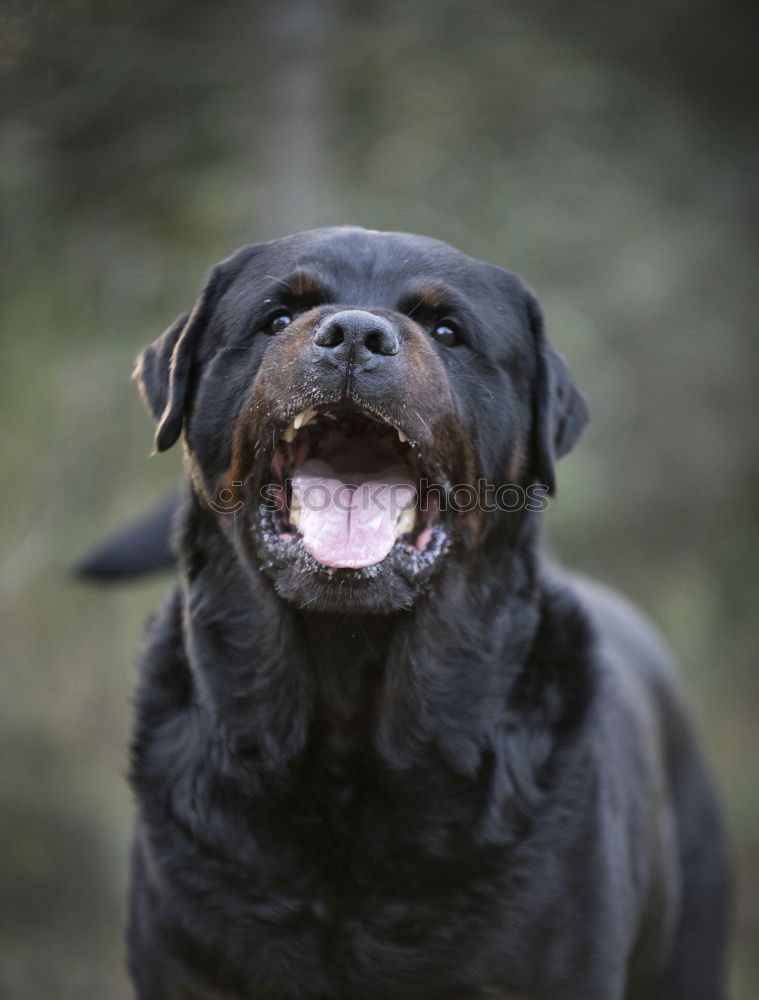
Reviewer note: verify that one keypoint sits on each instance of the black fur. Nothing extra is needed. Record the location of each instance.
(488, 789)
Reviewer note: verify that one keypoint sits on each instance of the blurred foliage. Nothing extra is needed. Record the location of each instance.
(607, 152)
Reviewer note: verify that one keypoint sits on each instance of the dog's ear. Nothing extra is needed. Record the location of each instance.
(559, 410)
(163, 370)
(152, 371)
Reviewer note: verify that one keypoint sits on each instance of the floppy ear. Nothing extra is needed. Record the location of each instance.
(559, 410)
(153, 366)
(164, 368)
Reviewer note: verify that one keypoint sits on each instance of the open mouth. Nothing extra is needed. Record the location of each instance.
(350, 489)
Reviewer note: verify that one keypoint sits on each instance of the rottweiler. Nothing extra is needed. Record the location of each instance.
(384, 750)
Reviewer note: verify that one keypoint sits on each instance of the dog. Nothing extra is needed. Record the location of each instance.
(383, 748)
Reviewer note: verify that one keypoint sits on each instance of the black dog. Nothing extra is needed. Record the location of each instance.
(382, 750)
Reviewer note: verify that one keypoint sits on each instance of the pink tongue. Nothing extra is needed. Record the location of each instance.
(348, 520)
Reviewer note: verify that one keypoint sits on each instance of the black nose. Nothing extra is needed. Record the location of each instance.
(357, 334)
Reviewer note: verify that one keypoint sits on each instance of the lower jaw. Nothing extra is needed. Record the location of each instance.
(387, 586)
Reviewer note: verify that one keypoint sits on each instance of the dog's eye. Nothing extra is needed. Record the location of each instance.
(277, 323)
(446, 333)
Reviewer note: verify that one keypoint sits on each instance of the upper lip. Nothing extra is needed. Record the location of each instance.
(304, 417)
(429, 462)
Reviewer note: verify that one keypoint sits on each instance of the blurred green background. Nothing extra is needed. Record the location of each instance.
(607, 152)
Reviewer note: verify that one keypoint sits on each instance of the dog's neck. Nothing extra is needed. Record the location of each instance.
(439, 676)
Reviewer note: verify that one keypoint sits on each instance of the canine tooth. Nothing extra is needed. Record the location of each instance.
(405, 522)
(303, 418)
(402, 437)
(294, 511)
(288, 434)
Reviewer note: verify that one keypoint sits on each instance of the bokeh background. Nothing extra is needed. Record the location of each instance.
(606, 151)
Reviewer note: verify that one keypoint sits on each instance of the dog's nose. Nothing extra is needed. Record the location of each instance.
(357, 334)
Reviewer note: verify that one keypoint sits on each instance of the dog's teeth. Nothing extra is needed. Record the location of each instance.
(294, 511)
(288, 434)
(406, 520)
(402, 437)
(303, 418)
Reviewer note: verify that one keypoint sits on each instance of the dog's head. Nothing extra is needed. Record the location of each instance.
(355, 403)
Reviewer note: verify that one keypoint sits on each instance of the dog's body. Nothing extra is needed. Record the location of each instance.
(444, 772)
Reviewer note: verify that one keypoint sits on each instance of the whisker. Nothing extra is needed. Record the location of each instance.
(410, 312)
(424, 422)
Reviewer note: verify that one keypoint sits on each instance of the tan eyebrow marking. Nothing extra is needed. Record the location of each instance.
(302, 283)
(306, 283)
(432, 294)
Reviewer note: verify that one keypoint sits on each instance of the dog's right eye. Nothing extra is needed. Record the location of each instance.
(278, 322)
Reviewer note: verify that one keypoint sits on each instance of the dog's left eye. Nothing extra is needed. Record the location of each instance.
(446, 333)
(277, 323)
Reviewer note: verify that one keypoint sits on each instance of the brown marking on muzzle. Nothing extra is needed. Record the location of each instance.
(431, 403)
(269, 401)
(450, 435)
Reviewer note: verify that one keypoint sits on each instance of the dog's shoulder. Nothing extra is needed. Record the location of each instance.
(641, 720)
(629, 647)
